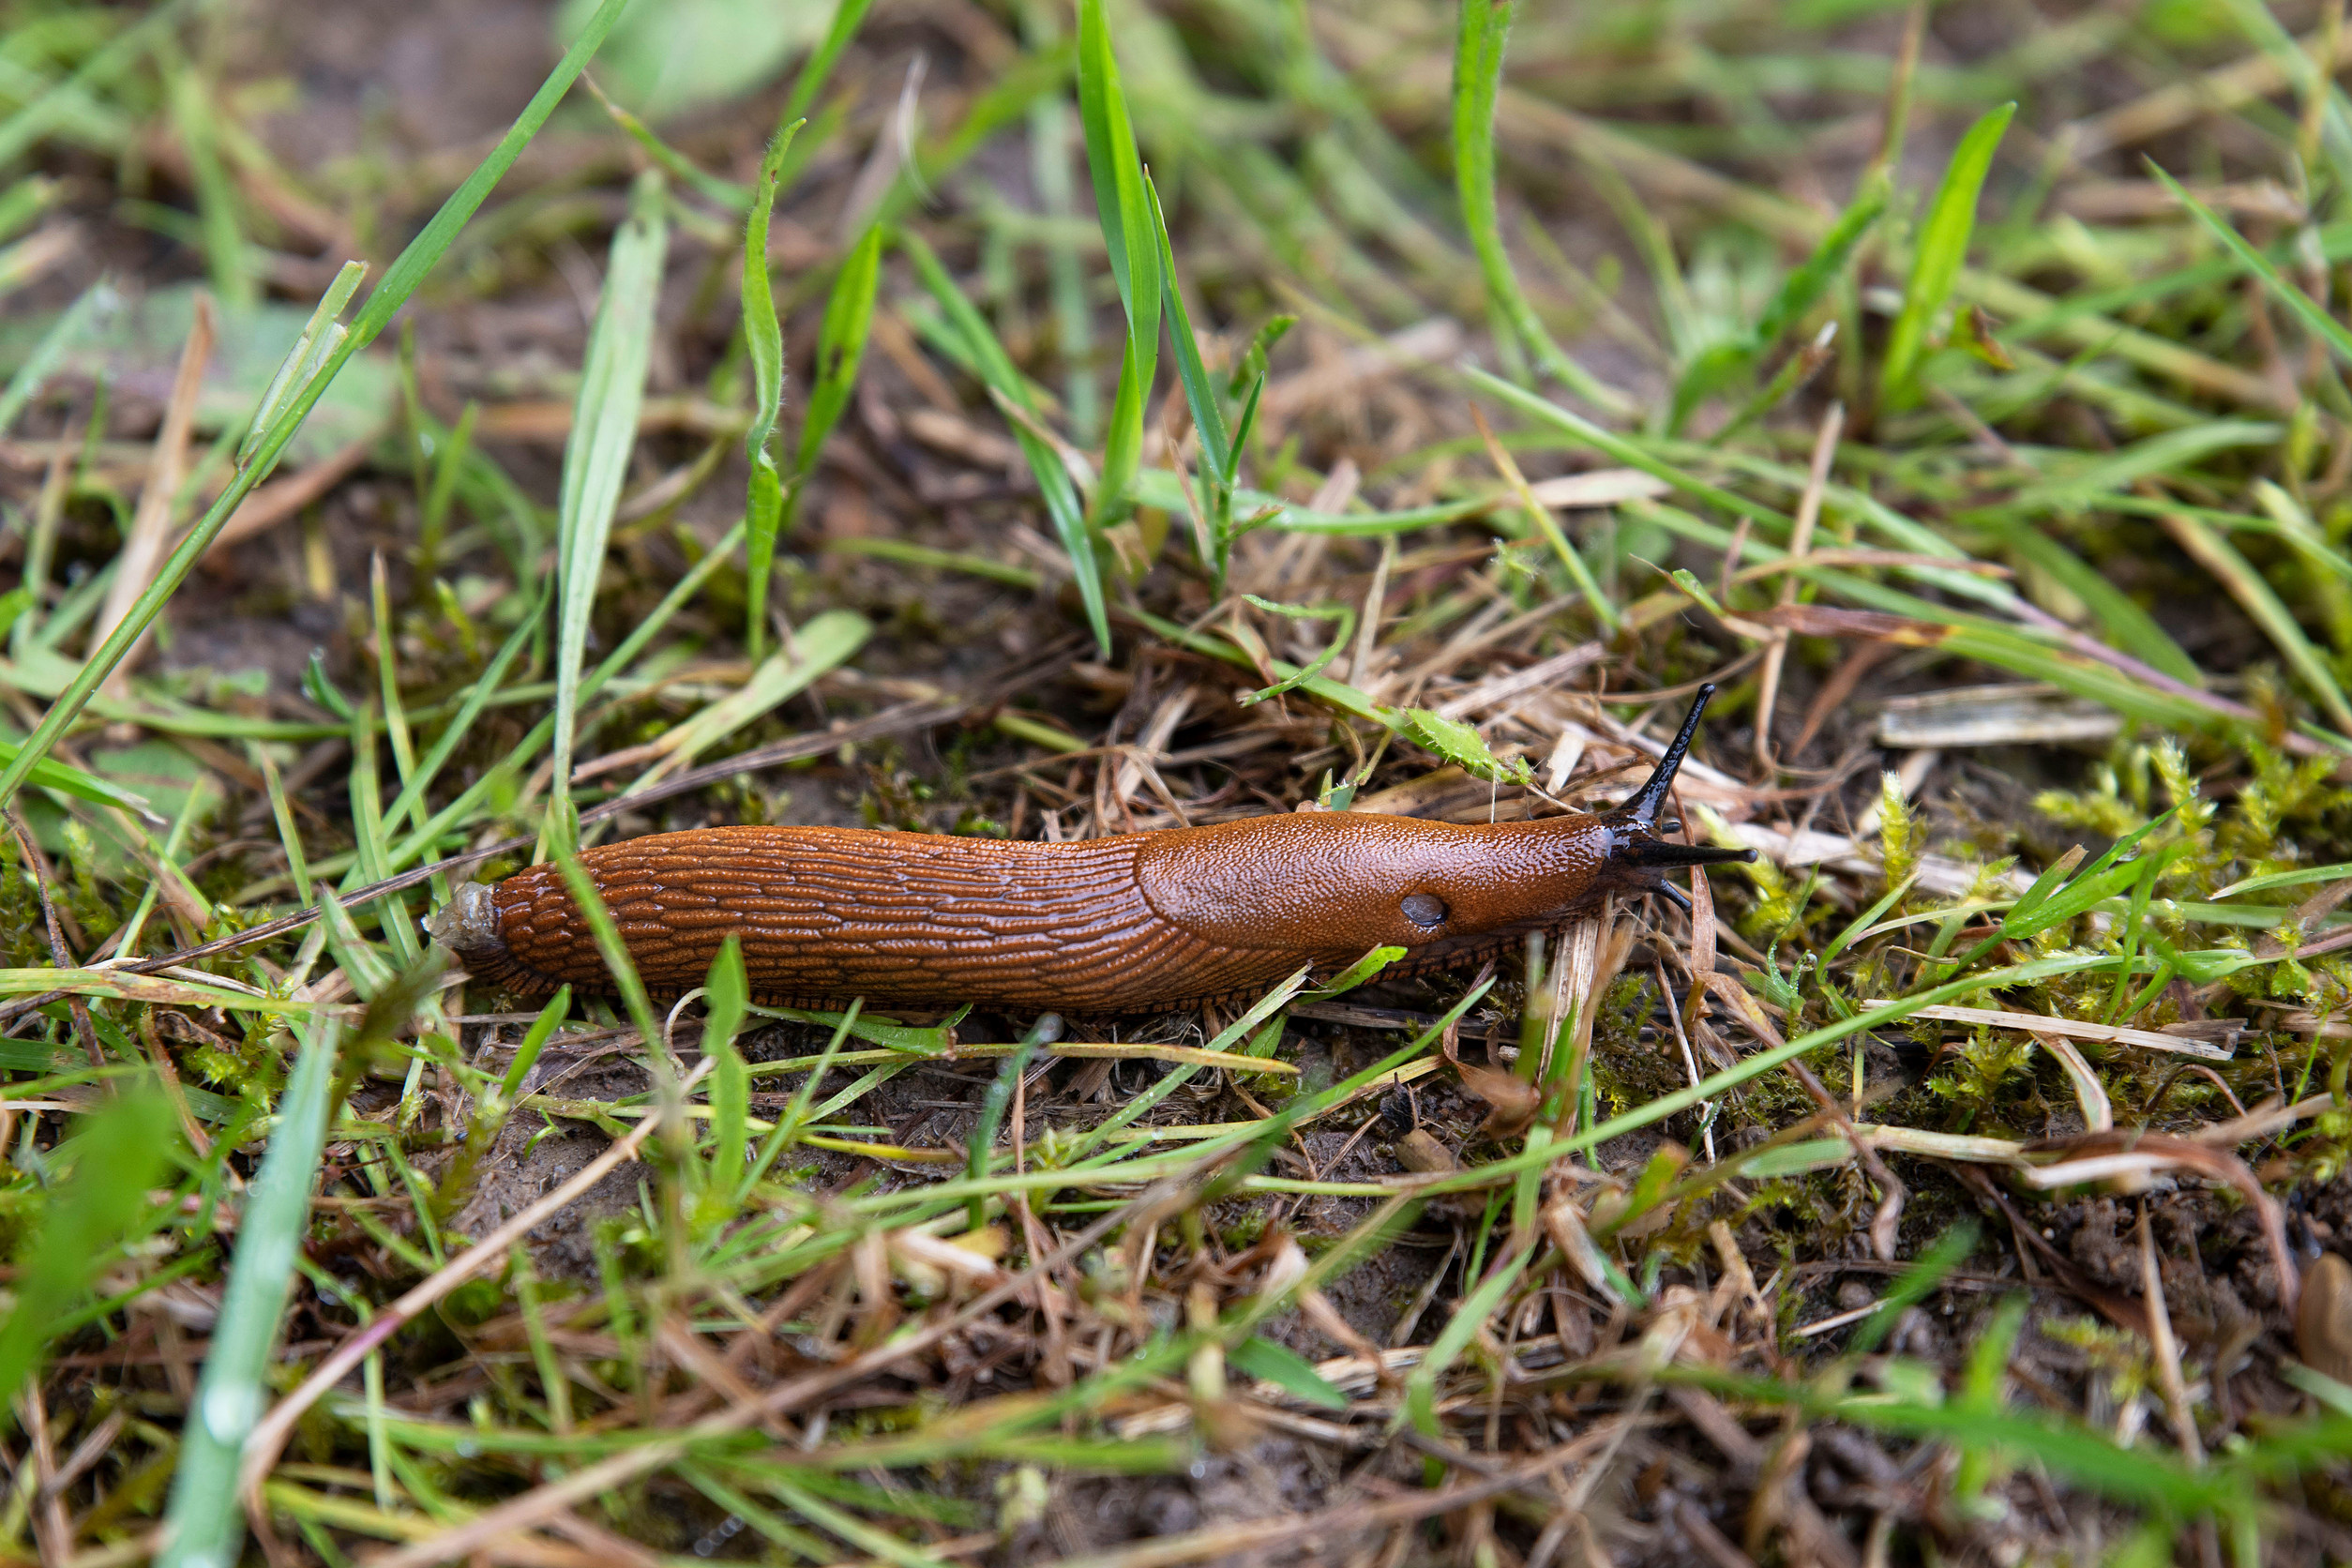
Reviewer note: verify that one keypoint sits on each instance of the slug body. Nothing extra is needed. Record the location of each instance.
(1130, 923)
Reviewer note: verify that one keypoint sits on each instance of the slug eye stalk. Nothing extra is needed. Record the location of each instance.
(1637, 846)
(1640, 809)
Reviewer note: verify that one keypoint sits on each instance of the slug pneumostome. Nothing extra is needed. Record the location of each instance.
(1135, 922)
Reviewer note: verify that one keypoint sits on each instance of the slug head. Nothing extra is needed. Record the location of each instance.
(1335, 883)
(1638, 858)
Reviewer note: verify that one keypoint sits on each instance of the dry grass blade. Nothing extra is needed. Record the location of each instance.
(2166, 1348)
(2074, 1029)
(1799, 543)
(2098, 1112)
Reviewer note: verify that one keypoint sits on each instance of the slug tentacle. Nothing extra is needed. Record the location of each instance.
(1664, 853)
(1636, 852)
(1640, 809)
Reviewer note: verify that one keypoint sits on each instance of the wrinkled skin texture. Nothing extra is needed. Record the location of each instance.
(1130, 924)
(1135, 924)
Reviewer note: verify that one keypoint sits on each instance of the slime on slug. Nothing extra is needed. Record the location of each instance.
(1135, 922)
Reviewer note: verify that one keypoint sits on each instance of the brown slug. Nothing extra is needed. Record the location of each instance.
(1136, 923)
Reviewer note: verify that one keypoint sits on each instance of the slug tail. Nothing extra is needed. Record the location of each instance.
(467, 925)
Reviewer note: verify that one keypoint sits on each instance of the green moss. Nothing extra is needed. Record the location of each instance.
(896, 799)
(1979, 1074)
(1242, 1233)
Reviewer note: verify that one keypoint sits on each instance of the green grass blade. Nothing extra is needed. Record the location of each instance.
(2261, 604)
(389, 677)
(1343, 614)
(996, 370)
(551, 1018)
(2024, 654)
(796, 1114)
(1937, 258)
(1479, 44)
(410, 803)
(362, 965)
(603, 438)
(493, 1109)
(281, 810)
(2315, 317)
(2088, 1458)
(1244, 419)
(1477, 1306)
(508, 769)
(819, 646)
(1123, 439)
(1624, 450)
(870, 1539)
(1827, 263)
(57, 105)
(1265, 1007)
(763, 344)
(847, 16)
(205, 1523)
(2301, 68)
(2134, 629)
(1200, 388)
(449, 466)
(998, 1098)
(722, 193)
(2169, 453)
(840, 350)
(783, 1532)
(1710, 371)
(1345, 698)
(193, 121)
(372, 845)
(68, 780)
(305, 359)
(1052, 121)
(725, 995)
(1130, 234)
(1117, 168)
(116, 1156)
(840, 345)
(400, 281)
(1866, 920)
(1913, 1285)
(25, 201)
(1540, 517)
(1269, 1361)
